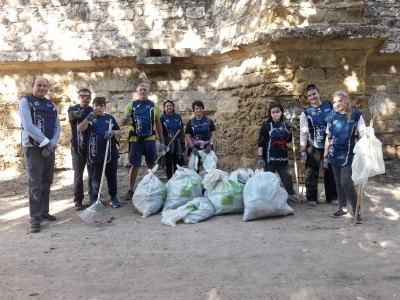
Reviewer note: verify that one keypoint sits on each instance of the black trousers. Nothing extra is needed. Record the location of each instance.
(314, 158)
(171, 160)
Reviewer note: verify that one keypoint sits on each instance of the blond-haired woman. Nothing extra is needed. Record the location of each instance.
(344, 127)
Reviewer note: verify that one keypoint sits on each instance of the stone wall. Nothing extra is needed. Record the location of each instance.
(235, 56)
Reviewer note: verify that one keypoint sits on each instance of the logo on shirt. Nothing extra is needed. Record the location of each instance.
(334, 122)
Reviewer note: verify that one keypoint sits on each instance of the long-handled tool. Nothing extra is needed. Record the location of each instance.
(376, 104)
(97, 213)
(292, 109)
(170, 142)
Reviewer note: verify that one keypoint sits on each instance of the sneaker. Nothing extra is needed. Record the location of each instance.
(129, 195)
(359, 219)
(78, 206)
(293, 198)
(341, 212)
(48, 217)
(335, 202)
(114, 202)
(35, 228)
(312, 203)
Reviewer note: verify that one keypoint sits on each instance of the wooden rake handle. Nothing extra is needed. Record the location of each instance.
(104, 163)
(170, 142)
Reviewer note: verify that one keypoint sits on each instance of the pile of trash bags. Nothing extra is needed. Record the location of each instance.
(191, 198)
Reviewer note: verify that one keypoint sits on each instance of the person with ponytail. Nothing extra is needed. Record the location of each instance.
(312, 142)
(343, 129)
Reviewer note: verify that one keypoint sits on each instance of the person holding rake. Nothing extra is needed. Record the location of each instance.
(343, 129)
(97, 123)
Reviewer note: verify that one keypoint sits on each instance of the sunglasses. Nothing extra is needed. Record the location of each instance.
(86, 97)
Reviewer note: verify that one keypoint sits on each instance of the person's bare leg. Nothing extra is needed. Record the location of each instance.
(133, 173)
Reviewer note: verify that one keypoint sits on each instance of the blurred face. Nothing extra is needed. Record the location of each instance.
(100, 109)
(143, 93)
(340, 103)
(169, 108)
(198, 112)
(84, 99)
(40, 88)
(313, 97)
(276, 114)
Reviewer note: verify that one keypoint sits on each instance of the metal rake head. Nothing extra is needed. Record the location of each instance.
(292, 109)
(378, 103)
(97, 214)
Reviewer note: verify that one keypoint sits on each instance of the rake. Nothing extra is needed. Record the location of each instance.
(292, 109)
(376, 104)
(98, 214)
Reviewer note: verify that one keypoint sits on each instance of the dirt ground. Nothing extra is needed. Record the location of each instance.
(308, 255)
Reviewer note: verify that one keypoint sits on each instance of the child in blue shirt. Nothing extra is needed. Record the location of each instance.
(97, 123)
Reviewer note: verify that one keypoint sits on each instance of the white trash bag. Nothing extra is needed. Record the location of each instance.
(208, 160)
(183, 186)
(204, 210)
(263, 196)
(192, 212)
(150, 194)
(241, 176)
(225, 195)
(368, 157)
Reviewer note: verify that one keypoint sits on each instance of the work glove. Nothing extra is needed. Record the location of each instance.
(78, 113)
(293, 126)
(261, 162)
(49, 148)
(303, 156)
(92, 116)
(208, 148)
(326, 162)
(195, 151)
(161, 147)
(45, 152)
(109, 135)
(127, 119)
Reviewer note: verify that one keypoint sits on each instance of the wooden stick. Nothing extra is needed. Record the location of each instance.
(104, 163)
(295, 164)
(170, 142)
(358, 204)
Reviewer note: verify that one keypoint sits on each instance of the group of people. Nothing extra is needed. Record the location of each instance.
(94, 143)
(328, 133)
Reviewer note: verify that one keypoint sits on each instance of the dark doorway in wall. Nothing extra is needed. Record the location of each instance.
(155, 52)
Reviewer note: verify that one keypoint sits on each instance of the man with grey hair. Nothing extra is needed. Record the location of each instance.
(142, 114)
(40, 133)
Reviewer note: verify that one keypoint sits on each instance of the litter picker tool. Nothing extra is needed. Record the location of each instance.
(292, 109)
(97, 213)
(170, 142)
(376, 104)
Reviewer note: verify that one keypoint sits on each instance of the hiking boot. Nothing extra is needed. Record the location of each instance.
(48, 217)
(129, 195)
(78, 206)
(359, 219)
(293, 198)
(35, 228)
(335, 202)
(312, 203)
(341, 212)
(114, 202)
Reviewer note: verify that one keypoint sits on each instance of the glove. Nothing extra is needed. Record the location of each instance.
(45, 152)
(109, 135)
(92, 116)
(78, 113)
(208, 148)
(195, 151)
(261, 162)
(127, 119)
(326, 162)
(51, 146)
(161, 147)
(303, 156)
(293, 126)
